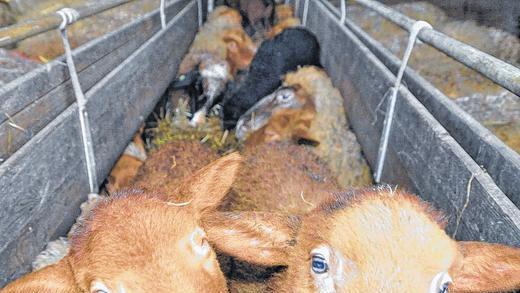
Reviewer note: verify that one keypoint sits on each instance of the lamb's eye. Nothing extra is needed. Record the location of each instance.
(444, 287)
(319, 264)
(440, 283)
(284, 96)
(98, 287)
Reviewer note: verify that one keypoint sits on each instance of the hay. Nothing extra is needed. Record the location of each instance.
(173, 127)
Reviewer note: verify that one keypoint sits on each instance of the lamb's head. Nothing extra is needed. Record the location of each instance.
(285, 114)
(225, 16)
(374, 241)
(240, 48)
(283, 11)
(215, 75)
(141, 242)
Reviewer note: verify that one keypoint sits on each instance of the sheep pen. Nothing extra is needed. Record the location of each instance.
(320, 134)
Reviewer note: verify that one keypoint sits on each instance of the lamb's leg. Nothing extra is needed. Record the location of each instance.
(200, 116)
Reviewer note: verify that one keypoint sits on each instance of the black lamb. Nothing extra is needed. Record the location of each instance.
(290, 49)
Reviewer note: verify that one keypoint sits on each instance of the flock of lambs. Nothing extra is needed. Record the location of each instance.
(276, 211)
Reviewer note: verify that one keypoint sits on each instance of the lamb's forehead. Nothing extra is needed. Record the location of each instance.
(357, 198)
(371, 207)
(131, 210)
(367, 218)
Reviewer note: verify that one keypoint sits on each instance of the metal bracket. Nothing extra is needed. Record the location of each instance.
(387, 126)
(69, 16)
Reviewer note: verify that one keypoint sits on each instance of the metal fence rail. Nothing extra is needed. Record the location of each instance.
(493, 68)
(15, 33)
(43, 183)
(423, 157)
(500, 162)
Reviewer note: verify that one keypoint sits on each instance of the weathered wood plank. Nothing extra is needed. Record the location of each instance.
(19, 93)
(438, 168)
(43, 183)
(41, 111)
(502, 163)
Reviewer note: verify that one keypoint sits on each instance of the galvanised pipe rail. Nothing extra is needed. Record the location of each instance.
(503, 73)
(15, 33)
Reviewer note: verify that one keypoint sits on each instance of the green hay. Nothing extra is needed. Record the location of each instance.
(174, 127)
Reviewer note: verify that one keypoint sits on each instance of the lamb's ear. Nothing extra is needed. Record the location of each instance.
(56, 278)
(255, 237)
(208, 186)
(485, 267)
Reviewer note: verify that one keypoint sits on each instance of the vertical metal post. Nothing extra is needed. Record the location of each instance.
(343, 11)
(387, 126)
(199, 11)
(69, 16)
(305, 11)
(211, 5)
(163, 15)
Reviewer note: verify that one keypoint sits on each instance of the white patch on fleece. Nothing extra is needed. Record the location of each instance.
(134, 151)
(216, 75)
(219, 70)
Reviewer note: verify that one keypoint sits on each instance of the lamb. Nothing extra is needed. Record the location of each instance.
(59, 248)
(286, 114)
(292, 48)
(257, 15)
(276, 176)
(370, 240)
(260, 15)
(143, 242)
(281, 26)
(309, 108)
(172, 162)
(283, 11)
(284, 18)
(222, 38)
(121, 175)
(219, 50)
(273, 177)
(163, 171)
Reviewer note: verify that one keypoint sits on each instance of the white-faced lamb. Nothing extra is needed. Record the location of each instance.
(219, 50)
(309, 109)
